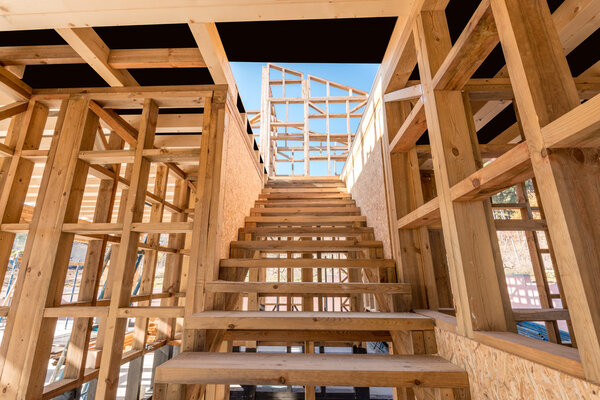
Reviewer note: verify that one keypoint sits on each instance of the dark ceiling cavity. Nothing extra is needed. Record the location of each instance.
(497, 125)
(147, 36)
(40, 37)
(62, 76)
(359, 40)
(171, 76)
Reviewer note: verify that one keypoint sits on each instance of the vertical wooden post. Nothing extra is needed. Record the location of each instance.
(568, 179)
(32, 229)
(108, 378)
(174, 262)
(42, 282)
(208, 211)
(134, 374)
(88, 291)
(306, 142)
(265, 120)
(25, 133)
(480, 303)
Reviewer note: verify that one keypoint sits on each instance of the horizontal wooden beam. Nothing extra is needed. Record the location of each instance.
(352, 321)
(76, 312)
(117, 58)
(154, 155)
(577, 128)
(308, 221)
(541, 314)
(305, 210)
(521, 224)
(186, 96)
(306, 245)
(487, 151)
(20, 15)
(512, 167)
(287, 336)
(411, 129)
(305, 263)
(408, 93)
(311, 369)
(561, 358)
(151, 312)
(426, 214)
(12, 109)
(299, 288)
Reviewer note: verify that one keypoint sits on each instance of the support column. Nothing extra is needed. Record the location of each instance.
(568, 178)
(108, 378)
(24, 133)
(134, 375)
(82, 327)
(481, 303)
(208, 211)
(174, 262)
(306, 142)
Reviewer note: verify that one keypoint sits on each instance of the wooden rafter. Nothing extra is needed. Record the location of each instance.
(91, 48)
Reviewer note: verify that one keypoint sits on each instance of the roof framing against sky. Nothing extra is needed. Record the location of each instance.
(35, 14)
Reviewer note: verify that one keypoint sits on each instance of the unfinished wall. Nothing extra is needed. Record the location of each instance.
(243, 183)
(497, 375)
(364, 171)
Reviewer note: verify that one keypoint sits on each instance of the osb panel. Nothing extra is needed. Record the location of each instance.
(242, 186)
(369, 193)
(498, 375)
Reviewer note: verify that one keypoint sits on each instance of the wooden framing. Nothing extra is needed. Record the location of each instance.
(559, 127)
(79, 130)
(290, 139)
(146, 194)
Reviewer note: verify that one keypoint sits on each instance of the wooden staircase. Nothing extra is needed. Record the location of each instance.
(312, 225)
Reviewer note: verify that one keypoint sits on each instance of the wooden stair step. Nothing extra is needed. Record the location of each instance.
(306, 245)
(307, 231)
(306, 210)
(304, 195)
(341, 220)
(360, 370)
(310, 320)
(305, 263)
(283, 185)
(285, 337)
(307, 288)
(296, 189)
(273, 203)
(303, 179)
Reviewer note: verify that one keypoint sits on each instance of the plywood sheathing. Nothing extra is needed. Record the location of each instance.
(497, 375)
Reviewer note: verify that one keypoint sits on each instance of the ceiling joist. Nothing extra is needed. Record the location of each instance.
(92, 49)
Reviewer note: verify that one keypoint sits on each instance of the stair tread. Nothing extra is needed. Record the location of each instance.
(305, 195)
(317, 315)
(307, 245)
(307, 220)
(309, 320)
(308, 231)
(311, 369)
(305, 210)
(306, 287)
(306, 263)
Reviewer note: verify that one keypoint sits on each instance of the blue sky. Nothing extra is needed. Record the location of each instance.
(248, 80)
